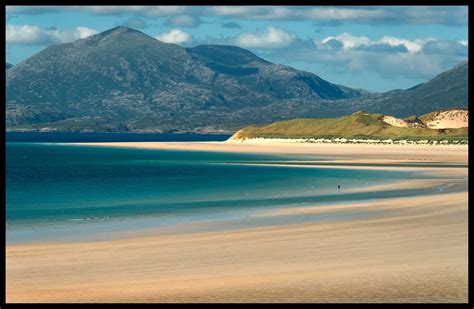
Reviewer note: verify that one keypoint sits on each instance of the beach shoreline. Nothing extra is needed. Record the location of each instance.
(387, 153)
(414, 250)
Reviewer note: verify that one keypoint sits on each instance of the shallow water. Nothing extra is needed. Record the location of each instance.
(59, 192)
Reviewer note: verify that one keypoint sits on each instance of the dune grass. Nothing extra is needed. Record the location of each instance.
(359, 125)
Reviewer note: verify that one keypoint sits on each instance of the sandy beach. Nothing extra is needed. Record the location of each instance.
(356, 152)
(414, 250)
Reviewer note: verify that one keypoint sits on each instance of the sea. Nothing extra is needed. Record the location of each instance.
(60, 191)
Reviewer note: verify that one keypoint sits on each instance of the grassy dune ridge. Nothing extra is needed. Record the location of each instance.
(359, 125)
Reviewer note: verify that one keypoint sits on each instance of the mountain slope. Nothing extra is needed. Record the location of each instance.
(359, 125)
(125, 80)
(122, 79)
(447, 90)
(8, 65)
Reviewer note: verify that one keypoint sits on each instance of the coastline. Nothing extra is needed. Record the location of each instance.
(413, 250)
(365, 152)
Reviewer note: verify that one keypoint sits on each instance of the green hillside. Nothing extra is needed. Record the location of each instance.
(359, 125)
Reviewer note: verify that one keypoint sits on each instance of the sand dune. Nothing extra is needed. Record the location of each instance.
(451, 118)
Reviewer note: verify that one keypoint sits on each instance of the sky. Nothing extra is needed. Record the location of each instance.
(377, 48)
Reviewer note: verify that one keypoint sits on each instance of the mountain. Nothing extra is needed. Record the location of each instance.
(125, 80)
(447, 90)
(8, 65)
(362, 125)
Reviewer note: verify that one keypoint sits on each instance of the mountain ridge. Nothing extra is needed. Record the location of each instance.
(448, 89)
(124, 80)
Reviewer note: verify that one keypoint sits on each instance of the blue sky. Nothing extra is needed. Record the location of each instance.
(374, 48)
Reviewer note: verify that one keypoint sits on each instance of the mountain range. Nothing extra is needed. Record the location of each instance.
(125, 80)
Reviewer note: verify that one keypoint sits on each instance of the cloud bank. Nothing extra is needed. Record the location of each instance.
(441, 15)
(337, 53)
(390, 57)
(34, 35)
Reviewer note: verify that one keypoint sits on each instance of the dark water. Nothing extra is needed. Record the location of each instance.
(110, 137)
(50, 185)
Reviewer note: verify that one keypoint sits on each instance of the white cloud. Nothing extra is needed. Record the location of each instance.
(345, 54)
(348, 40)
(464, 42)
(24, 34)
(34, 35)
(271, 37)
(412, 46)
(175, 36)
(348, 56)
(84, 32)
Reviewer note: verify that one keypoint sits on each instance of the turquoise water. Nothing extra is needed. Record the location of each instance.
(54, 189)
